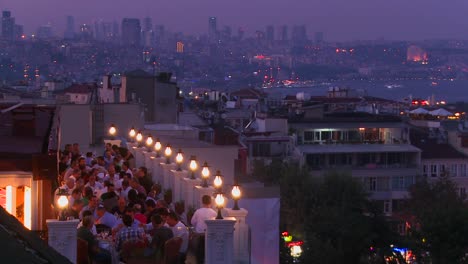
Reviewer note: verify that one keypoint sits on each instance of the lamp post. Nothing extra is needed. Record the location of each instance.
(62, 203)
(132, 134)
(218, 181)
(205, 174)
(193, 166)
(139, 138)
(219, 200)
(157, 148)
(236, 194)
(149, 143)
(168, 153)
(179, 159)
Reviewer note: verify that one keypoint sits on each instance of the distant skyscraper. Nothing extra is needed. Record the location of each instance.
(240, 33)
(212, 29)
(86, 32)
(8, 25)
(284, 33)
(18, 31)
(70, 28)
(148, 33)
(131, 31)
(115, 29)
(44, 32)
(299, 34)
(270, 33)
(318, 37)
(180, 47)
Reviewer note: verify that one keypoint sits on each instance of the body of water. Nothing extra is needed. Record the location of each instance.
(451, 91)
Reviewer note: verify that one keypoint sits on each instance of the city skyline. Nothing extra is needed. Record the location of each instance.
(340, 20)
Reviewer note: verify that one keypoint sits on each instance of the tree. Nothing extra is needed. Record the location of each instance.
(441, 218)
(342, 224)
(331, 214)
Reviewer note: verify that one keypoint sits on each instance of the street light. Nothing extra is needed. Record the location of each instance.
(236, 194)
(205, 174)
(132, 134)
(149, 142)
(62, 203)
(179, 159)
(139, 138)
(157, 148)
(112, 131)
(168, 153)
(193, 166)
(218, 181)
(219, 200)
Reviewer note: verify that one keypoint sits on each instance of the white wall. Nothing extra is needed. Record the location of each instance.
(75, 125)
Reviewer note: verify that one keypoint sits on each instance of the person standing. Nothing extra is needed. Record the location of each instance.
(198, 222)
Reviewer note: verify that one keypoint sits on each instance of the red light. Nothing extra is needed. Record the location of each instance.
(337, 50)
(285, 233)
(295, 243)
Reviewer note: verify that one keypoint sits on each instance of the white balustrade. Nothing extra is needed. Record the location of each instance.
(219, 241)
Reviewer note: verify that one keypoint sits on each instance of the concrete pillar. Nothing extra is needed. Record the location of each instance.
(177, 191)
(187, 191)
(198, 193)
(147, 160)
(156, 169)
(139, 158)
(219, 241)
(11, 199)
(166, 174)
(62, 237)
(241, 235)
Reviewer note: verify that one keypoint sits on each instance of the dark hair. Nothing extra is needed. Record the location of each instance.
(126, 163)
(125, 183)
(89, 154)
(144, 170)
(173, 215)
(76, 191)
(206, 199)
(88, 191)
(132, 195)
(157, 219)
(150, 203)
(127, 220)
(87, 213)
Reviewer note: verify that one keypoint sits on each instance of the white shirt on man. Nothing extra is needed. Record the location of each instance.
(180, 230)
(199, 217)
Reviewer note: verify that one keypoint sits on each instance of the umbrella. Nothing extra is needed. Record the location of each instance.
(419, 111)
(440, 112)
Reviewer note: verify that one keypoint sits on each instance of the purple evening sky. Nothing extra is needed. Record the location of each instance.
(339, 19)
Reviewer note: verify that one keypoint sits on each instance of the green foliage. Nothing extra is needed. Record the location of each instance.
(342, 222)
(332, 214)
(442, 221)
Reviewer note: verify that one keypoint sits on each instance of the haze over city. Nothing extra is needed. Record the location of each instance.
(339, 20)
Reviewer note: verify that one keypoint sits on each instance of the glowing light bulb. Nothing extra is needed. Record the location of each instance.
(219, 200)
(149, 141)
(132, 132)
(112, 130)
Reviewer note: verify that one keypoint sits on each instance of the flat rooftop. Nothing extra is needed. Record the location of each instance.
(357, 148)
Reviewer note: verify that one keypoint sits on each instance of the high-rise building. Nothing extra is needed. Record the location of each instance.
(284, 33)
(44, 32)
(18, 31)
(270, 33)
(148, 33)
(70, 28)
(131, 31)
(318, 37)
(212, 29)
(180, 47)
(8, 25)
(86, 32)
(299, 34)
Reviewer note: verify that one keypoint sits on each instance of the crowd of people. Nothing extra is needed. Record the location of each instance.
(118, 202)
